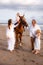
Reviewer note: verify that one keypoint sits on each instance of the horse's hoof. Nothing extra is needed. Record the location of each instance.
(20, 47)
(16, 48)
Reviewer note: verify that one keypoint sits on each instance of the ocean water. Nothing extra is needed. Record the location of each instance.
(5, 24)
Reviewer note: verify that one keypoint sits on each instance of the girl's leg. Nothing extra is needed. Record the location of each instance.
(37, 45)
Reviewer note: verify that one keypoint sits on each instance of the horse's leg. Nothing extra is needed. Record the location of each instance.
(16, 45)
(20, 40)
(20, 37)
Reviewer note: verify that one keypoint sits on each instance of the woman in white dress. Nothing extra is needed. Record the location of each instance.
(10, 35)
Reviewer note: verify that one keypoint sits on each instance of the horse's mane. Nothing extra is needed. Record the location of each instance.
(22, 22)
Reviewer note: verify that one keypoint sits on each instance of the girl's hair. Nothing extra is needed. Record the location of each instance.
(38, 31)
(9, 22)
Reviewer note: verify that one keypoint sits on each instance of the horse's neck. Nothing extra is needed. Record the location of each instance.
(19, 26)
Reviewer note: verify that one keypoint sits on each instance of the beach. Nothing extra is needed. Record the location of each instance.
(21, 56)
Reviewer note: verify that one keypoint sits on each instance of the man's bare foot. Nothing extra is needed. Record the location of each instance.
(37, 52)
(33, 51)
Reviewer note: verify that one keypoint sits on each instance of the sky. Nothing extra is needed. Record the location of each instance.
(8, 12)
(24, 2)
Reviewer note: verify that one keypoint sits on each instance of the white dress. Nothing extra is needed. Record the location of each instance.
(11, 41)
(33, 30)
(37, 43)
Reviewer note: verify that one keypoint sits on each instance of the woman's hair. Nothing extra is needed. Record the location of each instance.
(9, 22)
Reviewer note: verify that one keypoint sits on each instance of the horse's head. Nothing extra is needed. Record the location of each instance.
(23, 21)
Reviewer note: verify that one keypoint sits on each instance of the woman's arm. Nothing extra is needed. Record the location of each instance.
(16, 23)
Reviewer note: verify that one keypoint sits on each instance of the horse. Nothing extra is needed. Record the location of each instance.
(19, 30)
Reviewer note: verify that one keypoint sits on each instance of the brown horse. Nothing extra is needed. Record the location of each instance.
(19, 30)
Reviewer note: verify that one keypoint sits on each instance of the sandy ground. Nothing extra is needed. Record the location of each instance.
(22, 56)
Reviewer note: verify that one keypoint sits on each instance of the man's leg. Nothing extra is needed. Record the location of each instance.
(32, 43)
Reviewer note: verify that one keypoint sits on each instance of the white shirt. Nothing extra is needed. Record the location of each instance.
(17, 18)
(33, 30)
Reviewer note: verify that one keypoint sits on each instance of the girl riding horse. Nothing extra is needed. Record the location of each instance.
(19, 30)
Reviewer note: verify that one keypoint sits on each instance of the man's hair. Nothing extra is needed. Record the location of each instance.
(34, 21)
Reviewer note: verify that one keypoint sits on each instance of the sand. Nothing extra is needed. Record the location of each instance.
(21, 56)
